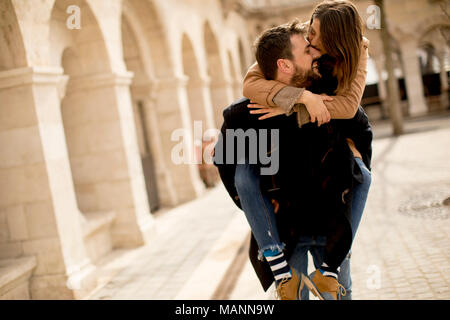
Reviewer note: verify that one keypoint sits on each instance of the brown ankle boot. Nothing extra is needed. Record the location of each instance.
(325, 288)
(288, 288)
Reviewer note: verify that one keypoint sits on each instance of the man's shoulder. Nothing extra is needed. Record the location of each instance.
(237, 112)
(238, 105)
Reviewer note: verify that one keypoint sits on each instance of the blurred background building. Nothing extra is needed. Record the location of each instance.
(88, 112)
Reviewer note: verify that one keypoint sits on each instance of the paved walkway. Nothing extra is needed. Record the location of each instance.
(200, 236)
(401, 250)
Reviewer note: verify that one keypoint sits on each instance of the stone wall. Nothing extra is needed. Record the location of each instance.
(83, 109)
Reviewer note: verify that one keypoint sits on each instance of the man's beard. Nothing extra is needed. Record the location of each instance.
(304, 78)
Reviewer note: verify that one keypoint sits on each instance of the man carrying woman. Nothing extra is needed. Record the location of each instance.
(324, 162)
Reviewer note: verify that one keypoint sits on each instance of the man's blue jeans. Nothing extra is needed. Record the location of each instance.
(316, 247)
(258, 208)
(259, 212)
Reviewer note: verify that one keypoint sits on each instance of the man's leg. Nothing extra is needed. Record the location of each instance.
(299, 261)
(258, 208)
(317, 251)
(260, 215)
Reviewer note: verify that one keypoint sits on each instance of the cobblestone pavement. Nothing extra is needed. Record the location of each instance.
(401, 250)
(405, 230)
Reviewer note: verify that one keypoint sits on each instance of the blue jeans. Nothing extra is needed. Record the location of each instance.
(359, 198)
(316, 247)
(259, 212)
(258, 208)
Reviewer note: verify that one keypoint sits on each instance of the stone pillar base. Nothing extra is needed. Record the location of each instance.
(62, 287)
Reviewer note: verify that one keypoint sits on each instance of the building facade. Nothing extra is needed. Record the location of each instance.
(91, 92)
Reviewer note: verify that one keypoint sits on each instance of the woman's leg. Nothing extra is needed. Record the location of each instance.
(358, 204)
(359, 199)
(360, 196)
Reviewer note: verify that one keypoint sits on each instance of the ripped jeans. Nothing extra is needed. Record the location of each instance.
(258, 208)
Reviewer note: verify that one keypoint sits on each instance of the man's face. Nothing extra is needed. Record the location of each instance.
(305, 66)
(302, 57)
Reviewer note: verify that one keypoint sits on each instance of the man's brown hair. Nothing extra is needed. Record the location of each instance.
(341, 32)
(274, 44)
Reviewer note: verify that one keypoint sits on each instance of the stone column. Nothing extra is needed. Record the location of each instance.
(36, 188)
(381, 85)
(104, 154)
(175, 126)
(413, 78)
(237, 88)
(444, 79)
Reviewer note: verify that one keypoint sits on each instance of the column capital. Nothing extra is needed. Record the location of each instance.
(172, 82)
(409, 46)
(99, 80)
(202, 81)
(31, 75)
(219, 83)
(145, 90)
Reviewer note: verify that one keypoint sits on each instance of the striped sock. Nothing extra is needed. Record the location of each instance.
(327, 271)
(278, 265)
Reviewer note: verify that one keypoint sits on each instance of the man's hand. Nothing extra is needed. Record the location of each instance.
(268, 112)
(316, 107)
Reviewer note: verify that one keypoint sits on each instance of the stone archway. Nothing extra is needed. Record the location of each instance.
(81, 53)
(142, 91)
(199, 98)
(40, 185)
(21, 149)
(11, 42)
(164, 96)
(90, 120)
(435, 41)
(409, 41)
(100, 134)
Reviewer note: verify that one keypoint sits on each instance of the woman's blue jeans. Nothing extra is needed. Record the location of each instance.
(260, 215)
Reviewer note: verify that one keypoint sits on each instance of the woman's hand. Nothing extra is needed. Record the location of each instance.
(276, 205)
(316, 107)
(268, 112)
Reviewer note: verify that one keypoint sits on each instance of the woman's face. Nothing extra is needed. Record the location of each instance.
(314, 36)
